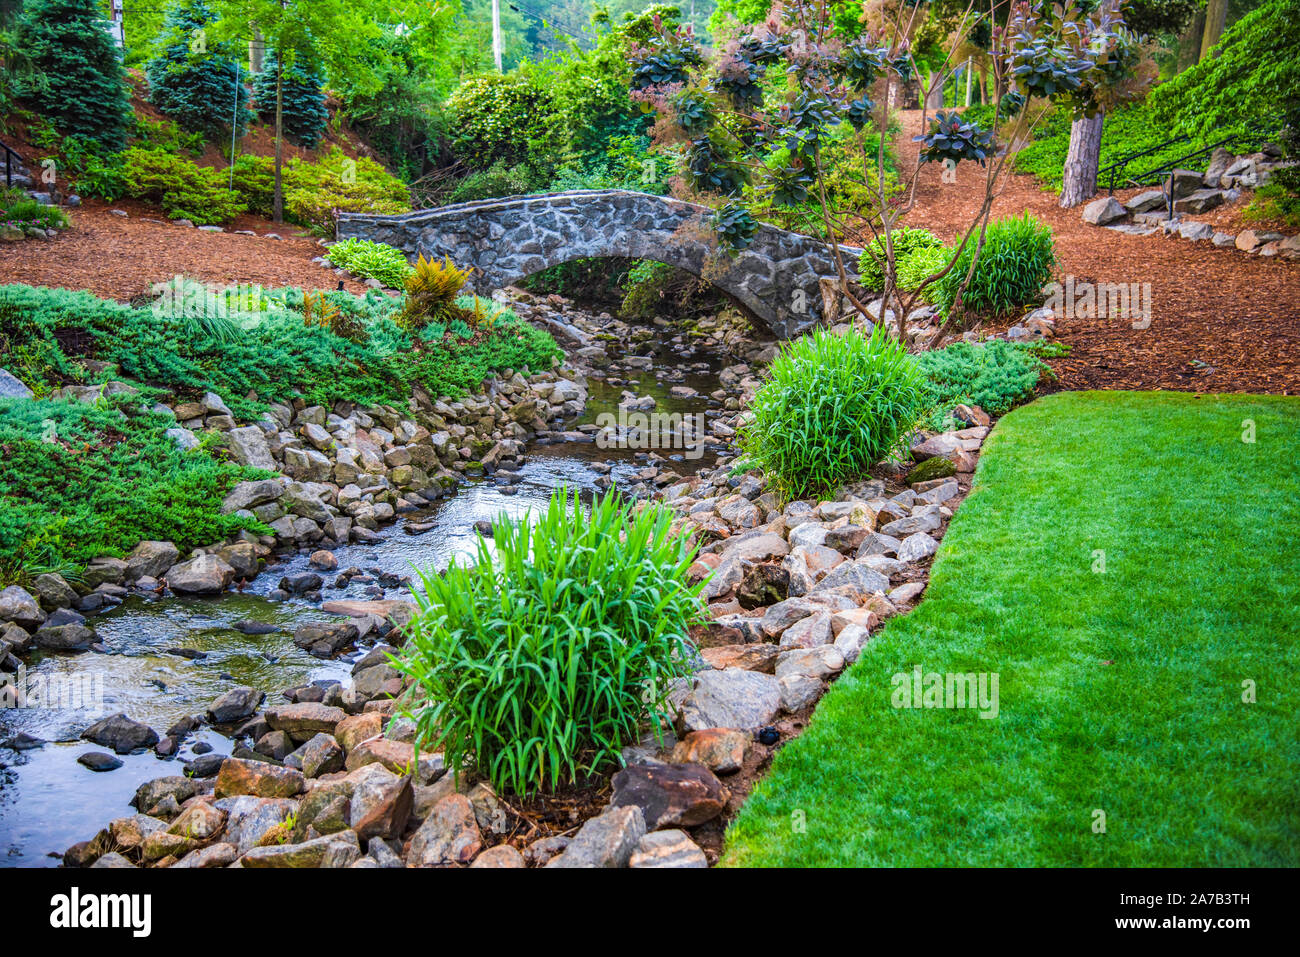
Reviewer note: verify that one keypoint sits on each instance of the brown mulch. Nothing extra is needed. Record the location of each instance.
(1222, 320)
(121, 258)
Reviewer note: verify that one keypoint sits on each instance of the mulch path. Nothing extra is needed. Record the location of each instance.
(1222, 320)
(121, 258)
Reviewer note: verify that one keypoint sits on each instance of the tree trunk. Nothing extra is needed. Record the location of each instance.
(279, 136)
(934, 92)
(1216, 14)
(1081, 162)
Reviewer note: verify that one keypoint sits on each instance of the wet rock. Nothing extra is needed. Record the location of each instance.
(324, 560)
(605, 841)
(234, 705)
(732, 698)
(301, 583)
(258, 778)
(449, 835)
(151, 560)
(18, 606)
(670, 848)
(205, 766)
(205, 575)
(248, 627)
(320, 755)
(70, 637)
(325, 640)
(54, 592)
(99, 761)
(120, 733)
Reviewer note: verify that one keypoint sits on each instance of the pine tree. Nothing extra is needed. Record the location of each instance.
(304, 113)
(194, 79)
(77, 82)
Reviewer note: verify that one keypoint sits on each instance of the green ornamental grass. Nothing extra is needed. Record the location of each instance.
(1016, 261)
(832, 407)
(542, 661)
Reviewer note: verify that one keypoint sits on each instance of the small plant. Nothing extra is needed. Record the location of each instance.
(995, 375)
(1014, 264)
(908, 243)
(832, 407)
(542, 661)
(371, 260)
(431, 292)
(317, 310)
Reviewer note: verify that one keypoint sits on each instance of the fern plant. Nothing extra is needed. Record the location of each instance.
(431, 292)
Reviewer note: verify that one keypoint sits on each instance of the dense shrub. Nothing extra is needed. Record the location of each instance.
(184, 189)
(1016, 261)
(994, 375)
(20, 211)
(432, 291)
(831, 408)
(302, 111)
(496, 181)
(913, 249)
(198, 84)
(361, 257)
(503, 118)
(80, 480)
(266, 350)
(552, 653)
(314, 193)
(77, 81)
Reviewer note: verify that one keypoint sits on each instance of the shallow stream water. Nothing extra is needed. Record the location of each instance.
(48, 801)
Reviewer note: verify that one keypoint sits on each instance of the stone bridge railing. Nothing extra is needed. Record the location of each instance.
(777, 279)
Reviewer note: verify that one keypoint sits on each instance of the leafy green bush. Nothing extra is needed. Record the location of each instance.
(504, 118)
(908, 243)
(185, 190)
(831, 408)
(361, 257)
(552, 653)
(202, 89)
(268, 352)
(995, 375)
(20, 211)
(496, 181)
(302, 110)
(79, 480)
(76, 80)
(1015, 263)
(337, 183)
(1275, 202)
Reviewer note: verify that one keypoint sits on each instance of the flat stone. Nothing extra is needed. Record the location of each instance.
(240, 776)
(670, 848)
(304, 719)
(732, 698)
(608, 840)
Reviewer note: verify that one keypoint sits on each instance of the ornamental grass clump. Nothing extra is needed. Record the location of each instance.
(832, 407)
(557, 649)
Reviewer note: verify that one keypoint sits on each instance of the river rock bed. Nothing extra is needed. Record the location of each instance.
(325, 773)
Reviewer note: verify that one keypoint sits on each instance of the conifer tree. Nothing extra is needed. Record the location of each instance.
(195, 78)
(303, 108)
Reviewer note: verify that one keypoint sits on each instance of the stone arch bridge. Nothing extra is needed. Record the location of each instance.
(777, 279)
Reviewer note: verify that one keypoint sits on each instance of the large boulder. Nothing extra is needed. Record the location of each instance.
(248, 446)
(248, 495)
(70, 637)
(670, 795)
(205, 575)
(18, 606)
(732, 698)
(241, 776)
(235, 705)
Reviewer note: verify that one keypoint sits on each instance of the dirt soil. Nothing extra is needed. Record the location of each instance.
(1222, 320)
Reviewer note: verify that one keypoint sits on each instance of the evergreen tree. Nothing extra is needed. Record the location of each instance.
(304, 113)
(194, 79)
(77, 81)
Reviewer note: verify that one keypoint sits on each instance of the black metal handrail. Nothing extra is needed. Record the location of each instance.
(1125, 160)
(1157, 173)
(10, 156)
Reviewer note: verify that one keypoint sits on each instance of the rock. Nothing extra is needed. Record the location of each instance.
(929, 469)
(234, 705)
(397, 756)
(670, 794)
(354, 729)
(325, 640)
(54, 592)
(12, 388)
(250, 627)
(671, 848)
(320, 755)
(112, 859)
(185, 439)
(214, 855)
(449, 835)
(916, 547)
(248, 495)
(313, 853)
(248, 446)
(764, 585)
(760, 656)
(240, 776)
(605, 841)
(120, 733)
(732, 698)
(856, 574)
(1199, 201)
(250, 819)
(18, 606)
(324, 560)
(1146, 201)
(303, 720)
(151, 560)
(381, 805)
(1104, 210)
(721, 750)
(1248, 240)
(503, 855)
(153, 792)
(539, 853)
(99, 761)
(200, 821)
(70, 637)
(820, 662)
(1195, 231)
(800, 691)
(205, 575)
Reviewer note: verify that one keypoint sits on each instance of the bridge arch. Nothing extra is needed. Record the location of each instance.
(777, 278)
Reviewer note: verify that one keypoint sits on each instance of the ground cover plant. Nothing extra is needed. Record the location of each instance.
(371, 260)
(1083, 571)
(831, 408)
(557, 648)
(262, 344)
(996, 376)
(79, 480)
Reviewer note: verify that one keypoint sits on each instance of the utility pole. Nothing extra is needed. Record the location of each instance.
(496, 33)
(256, 51)
(117, 26)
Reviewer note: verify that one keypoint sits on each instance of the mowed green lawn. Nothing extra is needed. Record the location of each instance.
(1119, 691)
